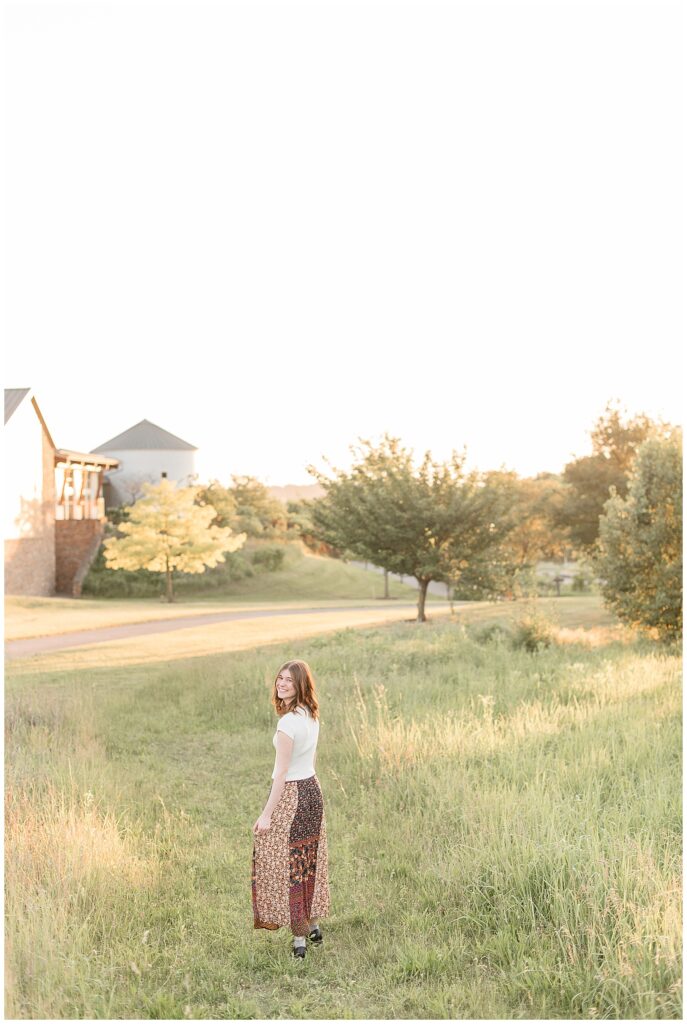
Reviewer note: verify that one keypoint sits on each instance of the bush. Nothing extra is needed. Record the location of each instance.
(494, 632)
(532, 633)
(268, 559)
(101, 581)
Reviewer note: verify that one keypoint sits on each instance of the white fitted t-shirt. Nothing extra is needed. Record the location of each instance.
(304, 730)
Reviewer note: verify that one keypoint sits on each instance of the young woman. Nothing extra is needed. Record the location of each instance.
(290, 880)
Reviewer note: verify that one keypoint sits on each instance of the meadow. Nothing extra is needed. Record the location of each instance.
(504, 828)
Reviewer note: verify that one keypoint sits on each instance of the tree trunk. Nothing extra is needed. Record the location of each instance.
(170, 591)
(423, 584)
(386, 584)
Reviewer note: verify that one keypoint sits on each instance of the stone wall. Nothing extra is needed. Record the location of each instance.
(30, 566)
(30, 559)
(76, 545)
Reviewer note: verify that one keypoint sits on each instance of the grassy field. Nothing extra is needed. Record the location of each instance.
(210, 638)
(306, 581)
(504, 829)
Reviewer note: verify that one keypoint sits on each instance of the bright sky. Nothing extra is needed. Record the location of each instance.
(275, 228)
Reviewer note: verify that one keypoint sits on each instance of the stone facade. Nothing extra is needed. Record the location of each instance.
(76, 545)
(30, 518)
(53, 512)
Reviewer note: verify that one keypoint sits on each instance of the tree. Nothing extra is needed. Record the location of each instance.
(588, 480)
(247, 506)
(167, 530)
(223, 502)
(507, 569)
(427, 523)
(300, 524)
(639, 554)
(257, 513)
(536, 535)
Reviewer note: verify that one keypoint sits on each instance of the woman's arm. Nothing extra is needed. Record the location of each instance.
(284, 748)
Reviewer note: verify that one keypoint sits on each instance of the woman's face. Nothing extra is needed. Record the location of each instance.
(286, 688)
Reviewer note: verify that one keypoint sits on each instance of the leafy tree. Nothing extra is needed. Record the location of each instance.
(223, 502)
(247, 506)
(427, 523)
(640, 544)
(300, 523)
(588, 480)
(167, 530)
(507, 569)
(537, 536)
(257, 513)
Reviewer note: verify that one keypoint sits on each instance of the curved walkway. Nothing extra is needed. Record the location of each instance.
(42, 644)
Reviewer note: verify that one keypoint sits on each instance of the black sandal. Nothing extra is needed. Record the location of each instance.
(299, 950)
(315, 935)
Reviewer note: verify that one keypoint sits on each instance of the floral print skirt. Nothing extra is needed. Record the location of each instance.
(290, 879)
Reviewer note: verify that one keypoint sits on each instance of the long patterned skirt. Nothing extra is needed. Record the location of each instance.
(290, 879)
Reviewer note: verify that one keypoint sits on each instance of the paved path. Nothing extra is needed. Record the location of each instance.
(42, 644)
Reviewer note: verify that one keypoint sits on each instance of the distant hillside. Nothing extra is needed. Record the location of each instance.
(294, 492)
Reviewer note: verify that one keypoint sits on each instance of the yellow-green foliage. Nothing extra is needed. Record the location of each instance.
(166, 530)
(504, 832)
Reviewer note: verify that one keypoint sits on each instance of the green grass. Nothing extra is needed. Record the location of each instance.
(314, 577)
(303, 575)
(504, 832)
(306, 580)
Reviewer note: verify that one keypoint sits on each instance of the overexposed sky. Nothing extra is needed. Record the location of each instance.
(275, 228)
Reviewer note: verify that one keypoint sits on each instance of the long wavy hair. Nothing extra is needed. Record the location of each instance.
(305, 694)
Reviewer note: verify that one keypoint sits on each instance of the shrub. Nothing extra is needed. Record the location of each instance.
(100, 581)
(493, 632)
(268, 559)
(532, 633)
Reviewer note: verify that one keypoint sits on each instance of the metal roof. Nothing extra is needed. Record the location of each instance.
(145, 435)
(13, 399)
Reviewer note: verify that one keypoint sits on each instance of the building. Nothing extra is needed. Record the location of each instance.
(145, 453)
(54, 512)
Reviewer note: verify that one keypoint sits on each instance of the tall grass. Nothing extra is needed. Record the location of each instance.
(504, 833)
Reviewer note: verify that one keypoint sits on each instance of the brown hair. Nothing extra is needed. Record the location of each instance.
(305, 689)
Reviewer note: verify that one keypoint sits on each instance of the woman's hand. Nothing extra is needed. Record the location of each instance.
(263, 823)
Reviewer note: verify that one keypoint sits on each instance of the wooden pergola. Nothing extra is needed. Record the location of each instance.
(79, 484)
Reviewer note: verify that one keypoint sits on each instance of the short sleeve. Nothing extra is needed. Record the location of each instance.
(287, 725)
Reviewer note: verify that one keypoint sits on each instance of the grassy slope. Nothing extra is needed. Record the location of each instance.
(317, 578)
(504, 833)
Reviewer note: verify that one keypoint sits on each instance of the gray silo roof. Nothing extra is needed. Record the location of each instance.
(145, 435)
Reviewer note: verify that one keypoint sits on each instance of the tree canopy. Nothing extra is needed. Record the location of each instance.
(588, 480)
(506, 569)
(640, 542)
(247, 507)
(427, 522)
(167, 530)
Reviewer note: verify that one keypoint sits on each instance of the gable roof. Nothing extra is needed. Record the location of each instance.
(145, 435)
(13, 399)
